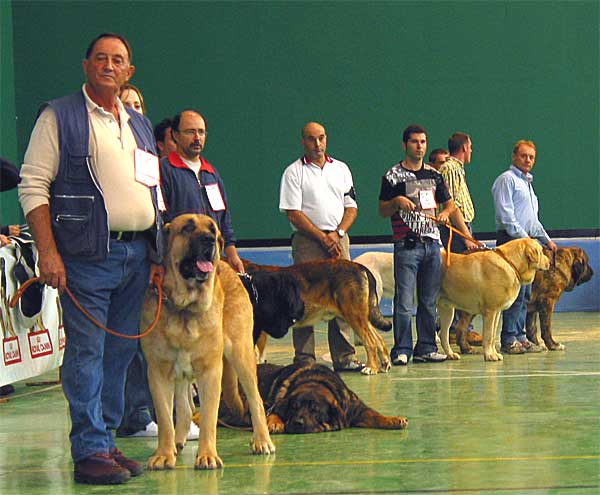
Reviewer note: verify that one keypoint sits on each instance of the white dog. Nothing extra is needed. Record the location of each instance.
(381, 266)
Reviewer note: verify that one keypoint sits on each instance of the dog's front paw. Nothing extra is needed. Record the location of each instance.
(493, 356)
(367, 370)
(556, 347)
(208, 461)
(386, 365)
(401, 422)
(262, 447)
(453, 355)
(275, 424)
(162, 460)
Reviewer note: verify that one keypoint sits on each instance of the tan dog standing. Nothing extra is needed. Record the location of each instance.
(381, 265)
(486, 283)
(206, 316)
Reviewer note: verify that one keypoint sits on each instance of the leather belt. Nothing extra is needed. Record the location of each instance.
(125, 236)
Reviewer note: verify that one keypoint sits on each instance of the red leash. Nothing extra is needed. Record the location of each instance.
(157, 280)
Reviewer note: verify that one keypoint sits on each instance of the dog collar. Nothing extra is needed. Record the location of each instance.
(499, 253)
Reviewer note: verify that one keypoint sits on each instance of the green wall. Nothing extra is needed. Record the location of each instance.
(10, 212)
(259, 70)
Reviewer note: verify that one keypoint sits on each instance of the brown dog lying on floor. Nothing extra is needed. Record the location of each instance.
(206, 317)
(487, 282)
(337, 287)
(313, 399)
(569, 268)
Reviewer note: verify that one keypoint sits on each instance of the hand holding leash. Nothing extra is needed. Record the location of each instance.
(158, 278)
(52, 270)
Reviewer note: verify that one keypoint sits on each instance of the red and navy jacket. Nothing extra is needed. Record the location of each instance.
(183, 193)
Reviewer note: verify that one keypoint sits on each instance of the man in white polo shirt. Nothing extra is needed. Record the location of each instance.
(317, 194)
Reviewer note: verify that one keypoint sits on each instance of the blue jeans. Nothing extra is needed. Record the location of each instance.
(513, 319)
(138, 399)
(420, 268)
(95, 362)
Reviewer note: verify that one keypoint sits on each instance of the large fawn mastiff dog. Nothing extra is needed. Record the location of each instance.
(486, 283)
(206, 316)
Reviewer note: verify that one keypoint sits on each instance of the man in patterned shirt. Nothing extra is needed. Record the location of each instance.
(453, 172)
(410, 190)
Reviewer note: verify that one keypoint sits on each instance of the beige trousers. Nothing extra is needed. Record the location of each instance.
(306, 248)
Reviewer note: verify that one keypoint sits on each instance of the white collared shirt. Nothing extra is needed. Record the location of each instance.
(322, 194)
(111, 149)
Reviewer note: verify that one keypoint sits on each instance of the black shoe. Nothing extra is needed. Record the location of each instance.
(100, 469)
(354, 365)
(6, 390)
(430, 357)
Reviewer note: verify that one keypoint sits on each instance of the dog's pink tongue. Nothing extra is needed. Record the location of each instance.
(205, 266)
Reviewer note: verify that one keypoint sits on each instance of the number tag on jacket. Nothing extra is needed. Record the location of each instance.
(146, 168)
(214, 197)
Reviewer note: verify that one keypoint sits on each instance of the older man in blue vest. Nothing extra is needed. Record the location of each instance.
(88, 191)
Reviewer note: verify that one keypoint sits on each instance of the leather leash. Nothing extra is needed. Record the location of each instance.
(503, 256)
(452, 231)
(157, 280)
(481, 244)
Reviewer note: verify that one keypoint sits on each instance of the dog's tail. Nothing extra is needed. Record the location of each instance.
(375, 316)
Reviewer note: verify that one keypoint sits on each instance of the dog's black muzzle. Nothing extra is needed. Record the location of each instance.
(198, 264)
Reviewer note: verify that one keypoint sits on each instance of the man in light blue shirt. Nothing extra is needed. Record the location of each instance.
(517, 208)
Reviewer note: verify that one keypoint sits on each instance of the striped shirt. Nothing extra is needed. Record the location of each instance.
(453, 172)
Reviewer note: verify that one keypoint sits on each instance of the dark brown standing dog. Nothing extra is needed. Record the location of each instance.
(337, 287)
(313, 399)
(569, 268)
(204, 334)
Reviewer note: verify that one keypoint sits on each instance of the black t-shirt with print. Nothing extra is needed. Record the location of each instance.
(415, 185)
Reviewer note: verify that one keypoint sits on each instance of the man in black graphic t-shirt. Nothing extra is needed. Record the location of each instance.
(410, 190)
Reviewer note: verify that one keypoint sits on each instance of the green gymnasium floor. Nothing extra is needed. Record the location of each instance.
(529, 425)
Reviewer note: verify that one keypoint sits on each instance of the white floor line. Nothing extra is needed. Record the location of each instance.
(538, 374)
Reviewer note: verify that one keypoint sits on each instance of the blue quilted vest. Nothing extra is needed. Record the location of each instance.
(78, 213)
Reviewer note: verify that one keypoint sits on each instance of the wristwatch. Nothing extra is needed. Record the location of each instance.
(341, 232)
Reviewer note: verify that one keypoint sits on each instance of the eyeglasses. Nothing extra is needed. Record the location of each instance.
(193, 132)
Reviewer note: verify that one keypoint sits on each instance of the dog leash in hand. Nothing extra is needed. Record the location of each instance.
(157, 280)
(483, 247)
(452, 231)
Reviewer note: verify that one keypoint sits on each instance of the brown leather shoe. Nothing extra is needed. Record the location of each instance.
(100, 469)
(473, 338)
(135, 468)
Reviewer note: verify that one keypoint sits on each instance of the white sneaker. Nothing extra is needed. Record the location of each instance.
(194, 432)
(151, 430)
